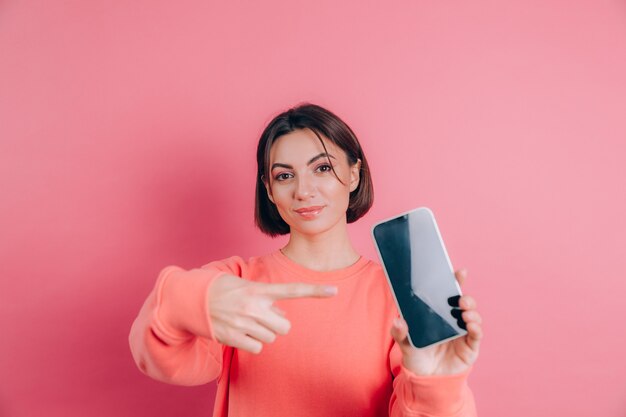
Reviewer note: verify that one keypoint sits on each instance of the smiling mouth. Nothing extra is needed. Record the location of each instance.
(309, 211)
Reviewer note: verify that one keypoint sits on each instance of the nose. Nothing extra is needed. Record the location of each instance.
(305, 188)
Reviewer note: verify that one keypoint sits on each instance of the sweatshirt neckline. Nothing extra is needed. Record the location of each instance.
(313, 275)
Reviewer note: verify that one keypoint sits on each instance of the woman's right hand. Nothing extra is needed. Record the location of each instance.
(243, 314)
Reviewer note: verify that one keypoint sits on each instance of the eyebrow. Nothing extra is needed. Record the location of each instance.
(315, 158)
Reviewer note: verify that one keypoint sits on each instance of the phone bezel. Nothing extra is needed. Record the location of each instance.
(445, 252)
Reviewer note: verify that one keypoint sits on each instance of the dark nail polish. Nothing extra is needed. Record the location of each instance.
(461, 324)
(454, 301)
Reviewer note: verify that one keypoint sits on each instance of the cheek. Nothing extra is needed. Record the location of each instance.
(339, 193)
(281, 196)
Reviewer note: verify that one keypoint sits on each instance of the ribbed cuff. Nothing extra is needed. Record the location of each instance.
(439, 395)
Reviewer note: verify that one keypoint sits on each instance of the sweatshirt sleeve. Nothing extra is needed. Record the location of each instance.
(428, 396)
(171, 339)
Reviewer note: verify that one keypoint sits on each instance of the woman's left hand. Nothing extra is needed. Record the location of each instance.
(453, 357)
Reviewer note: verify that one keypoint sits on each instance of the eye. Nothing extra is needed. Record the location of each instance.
(283, 176)
(324, 168)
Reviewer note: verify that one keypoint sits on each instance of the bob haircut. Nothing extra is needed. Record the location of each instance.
(324, 124)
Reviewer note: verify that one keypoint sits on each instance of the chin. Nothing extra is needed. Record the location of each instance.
(307, 229)
(313, 228)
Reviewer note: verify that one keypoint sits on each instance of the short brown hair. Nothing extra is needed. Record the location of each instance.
(323, 123)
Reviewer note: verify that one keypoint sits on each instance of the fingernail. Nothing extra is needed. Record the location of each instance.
(454, 301)
(456, 313)
(331, 290)
(397, 323)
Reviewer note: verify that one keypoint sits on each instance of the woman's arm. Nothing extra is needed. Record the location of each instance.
(190, 316)
(433, 381)
(172, 339)
(428, 396)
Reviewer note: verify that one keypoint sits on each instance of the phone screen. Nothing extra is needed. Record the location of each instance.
(421, 276)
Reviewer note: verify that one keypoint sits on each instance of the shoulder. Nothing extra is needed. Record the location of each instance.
(249, 268)
(375, 274)
(373, 269)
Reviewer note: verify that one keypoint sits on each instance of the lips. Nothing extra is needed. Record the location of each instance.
(309, 211)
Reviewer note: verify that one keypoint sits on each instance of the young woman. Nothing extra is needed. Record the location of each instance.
(310, 329)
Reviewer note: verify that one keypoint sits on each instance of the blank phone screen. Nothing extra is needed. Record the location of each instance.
(421, 276)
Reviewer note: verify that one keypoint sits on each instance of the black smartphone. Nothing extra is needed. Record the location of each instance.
(420, 276)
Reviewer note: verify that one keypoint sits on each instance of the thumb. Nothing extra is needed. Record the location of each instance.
(400, 332)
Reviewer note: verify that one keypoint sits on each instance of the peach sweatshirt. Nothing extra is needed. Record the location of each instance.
(339, 358)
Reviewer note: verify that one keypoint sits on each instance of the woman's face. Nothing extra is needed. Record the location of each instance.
(302, 185)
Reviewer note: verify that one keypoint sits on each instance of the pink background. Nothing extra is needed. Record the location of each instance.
(127, 136)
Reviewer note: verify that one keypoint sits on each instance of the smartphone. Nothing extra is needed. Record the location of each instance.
(421, 277)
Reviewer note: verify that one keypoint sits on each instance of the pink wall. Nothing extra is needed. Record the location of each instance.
(127, 134)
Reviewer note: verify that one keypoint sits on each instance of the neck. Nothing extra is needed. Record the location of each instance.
(322, 252)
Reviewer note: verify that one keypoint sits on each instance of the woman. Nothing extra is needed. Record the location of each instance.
(310, 329)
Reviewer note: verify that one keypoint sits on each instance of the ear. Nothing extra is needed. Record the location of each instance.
(355, 177)
(267, 189)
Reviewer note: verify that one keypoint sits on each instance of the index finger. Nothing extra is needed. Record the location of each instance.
(297, 290)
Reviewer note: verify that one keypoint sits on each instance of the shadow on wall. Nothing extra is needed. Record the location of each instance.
(193, 205)
(183, 214)
(200, 203)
